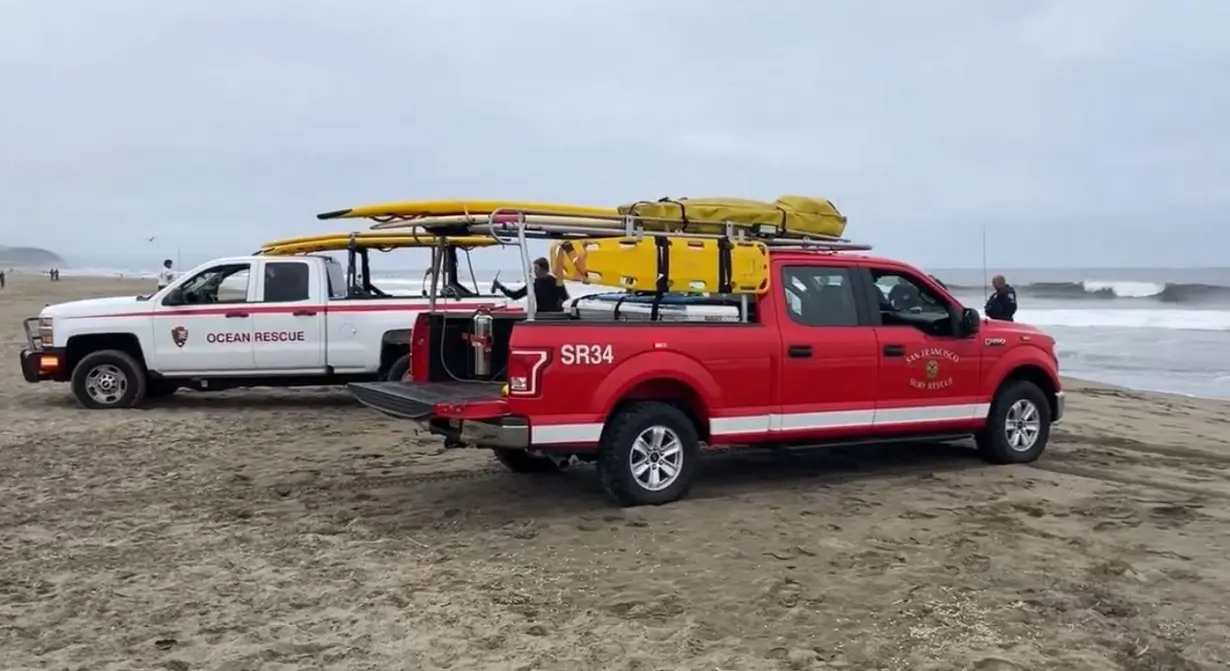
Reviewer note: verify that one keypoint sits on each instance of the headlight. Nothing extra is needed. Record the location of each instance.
(45, 331)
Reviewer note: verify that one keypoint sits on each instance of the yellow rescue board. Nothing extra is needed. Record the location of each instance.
(331, 242)
(687, 264)
(443, 208)
(789, 215)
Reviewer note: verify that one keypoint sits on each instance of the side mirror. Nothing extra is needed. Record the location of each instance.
(971, 321)
(174, 297)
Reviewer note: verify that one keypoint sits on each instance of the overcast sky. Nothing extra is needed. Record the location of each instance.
(1076, 131)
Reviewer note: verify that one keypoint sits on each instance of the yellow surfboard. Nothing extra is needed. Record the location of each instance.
(684, 264)
(332, 242)
(444, 208)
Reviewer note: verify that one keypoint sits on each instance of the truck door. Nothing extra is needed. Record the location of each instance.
(288, 329)
(829, 354)
(929, 378)
(204, 325)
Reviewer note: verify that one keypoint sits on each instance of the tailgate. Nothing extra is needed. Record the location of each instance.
(409, 400)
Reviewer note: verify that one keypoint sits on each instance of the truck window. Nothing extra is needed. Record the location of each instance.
(287, 282)
(220, 284)
(337, 279)
(818, 296)
(907, 301)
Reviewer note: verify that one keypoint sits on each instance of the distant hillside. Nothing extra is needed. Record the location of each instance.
(29, 257)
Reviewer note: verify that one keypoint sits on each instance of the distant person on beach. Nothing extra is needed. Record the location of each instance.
(166, 275)
(2, 279)
(549, 292)
(1002, 304)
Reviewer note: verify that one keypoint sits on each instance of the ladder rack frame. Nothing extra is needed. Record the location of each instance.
(511, 227)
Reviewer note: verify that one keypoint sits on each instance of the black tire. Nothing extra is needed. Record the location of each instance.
(128, 395)
(398, 370)
(520, 461)
(615, 454)
(995, 441)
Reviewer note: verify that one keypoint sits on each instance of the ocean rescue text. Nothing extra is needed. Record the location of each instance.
(258, 336)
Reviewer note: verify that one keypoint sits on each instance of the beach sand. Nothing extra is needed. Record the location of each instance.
(293, 529)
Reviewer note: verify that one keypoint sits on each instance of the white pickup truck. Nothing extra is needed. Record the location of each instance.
(276, 318)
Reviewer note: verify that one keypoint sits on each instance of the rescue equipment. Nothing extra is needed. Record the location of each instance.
(659, 263)
(786, 216)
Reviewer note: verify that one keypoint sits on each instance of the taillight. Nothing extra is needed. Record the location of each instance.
(420, 350)
(525, 368)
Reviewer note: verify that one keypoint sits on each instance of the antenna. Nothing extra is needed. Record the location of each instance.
(985, 288)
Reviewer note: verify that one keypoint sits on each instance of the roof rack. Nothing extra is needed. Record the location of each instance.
(515, 223)
(510, 226)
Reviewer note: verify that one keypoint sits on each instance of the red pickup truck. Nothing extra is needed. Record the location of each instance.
(843, 348)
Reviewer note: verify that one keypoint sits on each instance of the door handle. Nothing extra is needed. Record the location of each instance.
(236, 315)
(799, 351)
(304, 313)
(894, 350)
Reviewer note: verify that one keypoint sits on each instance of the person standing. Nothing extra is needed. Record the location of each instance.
(166, 275)
(1002, 304)
(549, 292)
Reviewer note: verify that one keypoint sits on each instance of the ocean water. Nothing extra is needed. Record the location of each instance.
(1154, 329)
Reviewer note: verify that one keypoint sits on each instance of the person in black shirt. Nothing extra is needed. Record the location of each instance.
(1002, 303)
(549, 293)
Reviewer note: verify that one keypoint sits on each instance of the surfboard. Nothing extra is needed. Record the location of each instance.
(437, 208)
(331, 242)
(791, 216)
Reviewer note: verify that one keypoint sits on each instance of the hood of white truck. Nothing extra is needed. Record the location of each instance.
(95, 307)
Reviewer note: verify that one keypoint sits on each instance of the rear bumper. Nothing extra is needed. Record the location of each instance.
(463, 413)
(509, 431)
(1059, 409)
(43, 365)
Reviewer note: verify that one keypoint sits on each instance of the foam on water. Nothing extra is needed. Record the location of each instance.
(1188, 320)
(1124, 289)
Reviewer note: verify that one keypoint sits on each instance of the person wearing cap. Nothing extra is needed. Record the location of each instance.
(549, 292)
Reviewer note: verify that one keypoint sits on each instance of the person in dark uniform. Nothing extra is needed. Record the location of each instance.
(549, 292)
(1002, 303)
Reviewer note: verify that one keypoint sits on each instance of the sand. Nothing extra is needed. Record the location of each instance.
(293, 529)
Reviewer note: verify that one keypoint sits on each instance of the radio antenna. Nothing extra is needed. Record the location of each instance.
(985, 287)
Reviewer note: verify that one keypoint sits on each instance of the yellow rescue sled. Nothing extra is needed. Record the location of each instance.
(665, 264)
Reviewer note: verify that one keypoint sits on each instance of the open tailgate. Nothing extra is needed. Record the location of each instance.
(418, 401)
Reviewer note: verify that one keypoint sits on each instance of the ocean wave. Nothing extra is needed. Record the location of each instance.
(1165, 292)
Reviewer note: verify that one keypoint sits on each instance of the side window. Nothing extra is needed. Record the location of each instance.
(220, 284)
(337, 280)
(907, 301)
(286, 282)
(817, 296)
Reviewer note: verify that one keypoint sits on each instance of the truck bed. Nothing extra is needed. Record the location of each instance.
(409, 400)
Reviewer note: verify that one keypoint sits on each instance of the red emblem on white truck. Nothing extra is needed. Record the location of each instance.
(179, 335)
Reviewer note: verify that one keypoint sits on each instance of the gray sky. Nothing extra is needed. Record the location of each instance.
(1071, 128)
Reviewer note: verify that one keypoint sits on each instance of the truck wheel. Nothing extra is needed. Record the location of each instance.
(648, 454)
(1018, 426)
(398, 370)
(108, 380)
(520, 461)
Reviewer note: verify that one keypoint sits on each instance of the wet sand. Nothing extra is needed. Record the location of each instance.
(293, 529)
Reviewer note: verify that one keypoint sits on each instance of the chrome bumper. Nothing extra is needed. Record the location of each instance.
(1059, 403)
